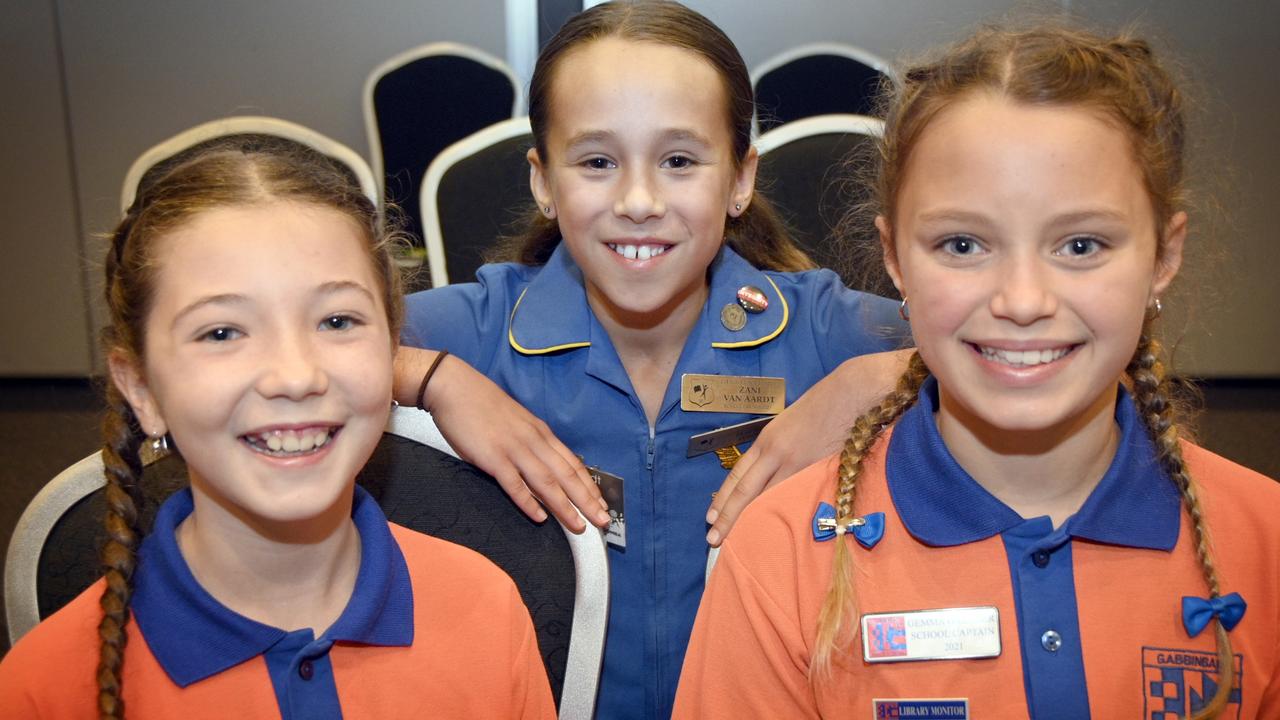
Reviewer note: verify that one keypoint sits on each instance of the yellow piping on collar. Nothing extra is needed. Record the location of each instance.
(786, 314)
(511, 338)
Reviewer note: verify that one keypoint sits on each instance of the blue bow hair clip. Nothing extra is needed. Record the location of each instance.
(1197, 612)
(867, 530)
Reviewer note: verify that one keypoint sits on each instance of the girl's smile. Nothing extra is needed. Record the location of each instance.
(268, 358)
(1026, 244)
(640, 175)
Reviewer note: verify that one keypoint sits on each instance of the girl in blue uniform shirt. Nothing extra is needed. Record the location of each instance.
(254, 314)
(653, 297)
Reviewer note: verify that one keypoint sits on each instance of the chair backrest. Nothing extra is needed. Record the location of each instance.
(421, 101)
(246, 125)
(417, 478)
(817, 79)
(474, 191)
(806, 169)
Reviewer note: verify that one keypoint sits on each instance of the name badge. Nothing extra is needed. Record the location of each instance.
(945, 634)
(724, 437)
(921, 708)
(732, 393)
(611, 491)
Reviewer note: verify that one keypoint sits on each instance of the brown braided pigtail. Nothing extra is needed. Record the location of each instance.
(839, 604)
(1154, 397)
(122, 462)
(122, 440)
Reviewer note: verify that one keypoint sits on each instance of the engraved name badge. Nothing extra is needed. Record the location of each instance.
(732, 393)
(945, 634)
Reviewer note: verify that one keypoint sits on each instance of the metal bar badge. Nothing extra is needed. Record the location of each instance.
(732, 393)
(945, 634)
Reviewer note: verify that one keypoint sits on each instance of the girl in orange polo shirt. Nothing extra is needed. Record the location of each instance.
(254, 315)
(1018, 530)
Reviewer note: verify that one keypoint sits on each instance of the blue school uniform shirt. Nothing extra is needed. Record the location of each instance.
(531, 331)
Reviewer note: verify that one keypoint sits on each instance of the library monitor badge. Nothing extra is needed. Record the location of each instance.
(920, 708)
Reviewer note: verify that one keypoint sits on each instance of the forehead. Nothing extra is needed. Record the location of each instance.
(614, 81)
(276, 248)
(988, 149)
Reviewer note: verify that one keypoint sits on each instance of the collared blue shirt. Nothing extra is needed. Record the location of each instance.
(1135, 504)
(531, 330)
(193, 636)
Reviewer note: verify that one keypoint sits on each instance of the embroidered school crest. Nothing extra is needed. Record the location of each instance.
(1177, 683)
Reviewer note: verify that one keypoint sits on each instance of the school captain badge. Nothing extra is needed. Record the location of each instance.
(1177, 683)
(945, 634)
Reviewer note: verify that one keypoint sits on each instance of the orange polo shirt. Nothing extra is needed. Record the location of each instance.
(433, 630)
(1108, 583)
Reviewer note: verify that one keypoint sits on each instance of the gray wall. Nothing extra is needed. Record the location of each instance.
(137, 72)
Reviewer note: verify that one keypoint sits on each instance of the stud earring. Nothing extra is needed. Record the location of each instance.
(737, 206)
(546, 209)
(1154, 309)
(903, 312)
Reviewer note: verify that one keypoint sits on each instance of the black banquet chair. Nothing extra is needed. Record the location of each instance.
(817, 79)
(474, 192)
(562, 577)
(421, 101)
(806, 167)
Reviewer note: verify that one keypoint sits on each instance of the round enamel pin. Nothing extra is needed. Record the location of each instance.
(752, 299)
(733, 317)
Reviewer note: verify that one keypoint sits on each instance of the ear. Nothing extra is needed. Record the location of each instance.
(128, 378)
(890, 253)
(744, 183)
(540, 184)
(1169, 253)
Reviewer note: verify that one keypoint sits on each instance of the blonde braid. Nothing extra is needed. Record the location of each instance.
(1152, 393)
(839, 602)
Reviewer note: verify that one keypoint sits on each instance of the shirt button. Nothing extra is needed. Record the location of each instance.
(1040, 558)
(305, 670)
(1051, 640)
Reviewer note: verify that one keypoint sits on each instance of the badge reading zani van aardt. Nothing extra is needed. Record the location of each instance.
(732, 393)
(945, 634)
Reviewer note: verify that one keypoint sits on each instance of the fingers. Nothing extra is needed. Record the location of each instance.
(511, 481)
(577, 483)
(754, 479)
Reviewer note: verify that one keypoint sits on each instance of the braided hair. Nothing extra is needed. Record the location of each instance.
(230, 171)
(1118, 77)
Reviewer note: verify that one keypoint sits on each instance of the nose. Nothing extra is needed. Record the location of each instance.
(639, 198)
(292, 369)
(1025, 293)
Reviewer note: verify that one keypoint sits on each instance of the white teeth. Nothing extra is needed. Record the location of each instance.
(638, 252)
(290, 441)
(1023, 358)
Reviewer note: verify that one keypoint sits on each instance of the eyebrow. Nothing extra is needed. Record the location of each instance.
(223, 299)
(1071, 218)
(328, 288)
(601, 136)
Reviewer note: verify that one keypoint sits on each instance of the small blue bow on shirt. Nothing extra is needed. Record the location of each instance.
(867, 530)
(1197, 612)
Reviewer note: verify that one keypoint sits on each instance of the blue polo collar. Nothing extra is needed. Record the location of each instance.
(1135, 504)
(193, 636)
(552, 313)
